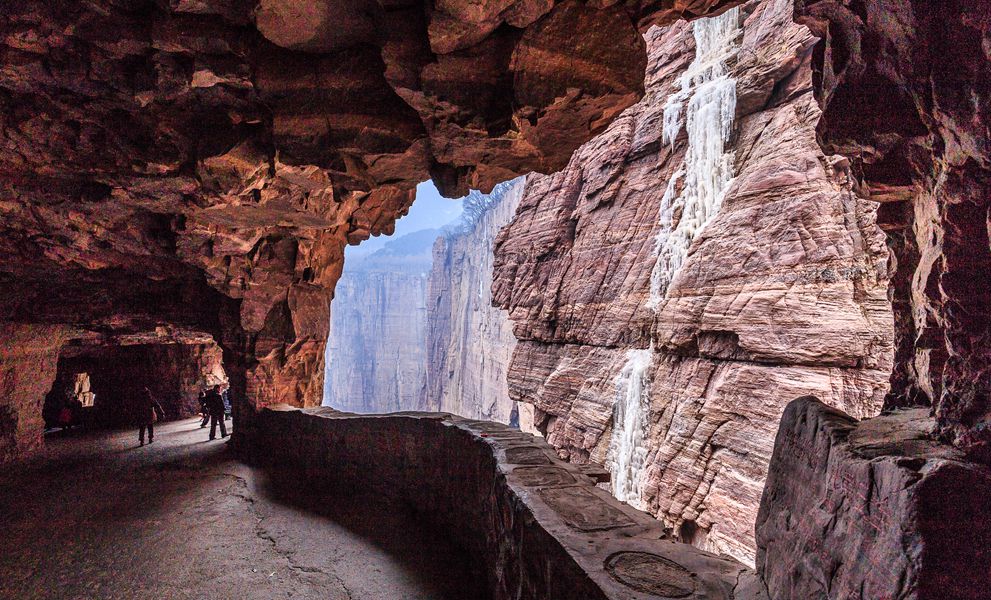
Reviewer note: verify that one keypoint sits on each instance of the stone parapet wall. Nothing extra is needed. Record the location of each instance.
(876, 509)
(536, 526)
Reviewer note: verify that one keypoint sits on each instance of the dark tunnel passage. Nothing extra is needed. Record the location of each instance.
(99, 517)
(100, 385)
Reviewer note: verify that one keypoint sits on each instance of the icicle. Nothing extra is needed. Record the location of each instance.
(707, 97)
(627, 451)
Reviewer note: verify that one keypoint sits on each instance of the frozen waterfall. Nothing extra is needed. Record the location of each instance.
(707, 101)
(709, 93)
(627, 451)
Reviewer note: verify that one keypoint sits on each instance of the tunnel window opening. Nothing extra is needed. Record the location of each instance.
(81, 390)
(412, 322)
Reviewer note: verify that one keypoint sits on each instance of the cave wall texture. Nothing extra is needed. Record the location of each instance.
(203, 163)
(782, 293)
(906, 94)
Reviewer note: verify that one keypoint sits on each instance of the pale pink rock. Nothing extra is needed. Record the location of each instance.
(782, 294)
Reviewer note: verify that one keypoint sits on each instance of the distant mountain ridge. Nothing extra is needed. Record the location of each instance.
(411, 251)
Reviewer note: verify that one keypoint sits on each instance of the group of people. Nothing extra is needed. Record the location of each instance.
(215, 408)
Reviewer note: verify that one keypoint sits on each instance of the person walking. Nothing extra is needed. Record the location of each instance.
(215, 405)
(225, 394)
(149, 411)
(203, 409)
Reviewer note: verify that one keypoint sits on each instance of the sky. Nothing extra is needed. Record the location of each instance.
(429, 210)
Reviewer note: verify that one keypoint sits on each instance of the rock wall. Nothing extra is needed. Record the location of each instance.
(376, 359)
(674, 287)
(203, 164)
(905, 94)
(469, 341)
(534, 527)
(28, 366)
(872, 510)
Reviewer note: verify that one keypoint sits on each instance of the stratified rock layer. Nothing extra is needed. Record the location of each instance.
(469, 341)
(28, 366)
(905, 93)
(782, 293)
(875, 509)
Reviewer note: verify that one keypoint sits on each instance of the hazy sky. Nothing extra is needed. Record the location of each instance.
(430, 210)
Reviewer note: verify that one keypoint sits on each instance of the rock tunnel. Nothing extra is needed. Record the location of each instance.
(180, 179)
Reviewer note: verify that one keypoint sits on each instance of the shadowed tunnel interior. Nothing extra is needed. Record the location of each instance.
(182, 518)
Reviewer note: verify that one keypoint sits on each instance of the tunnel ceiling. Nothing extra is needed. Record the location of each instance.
(203, 163)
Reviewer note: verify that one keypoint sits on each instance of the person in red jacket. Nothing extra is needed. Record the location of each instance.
(149, 411)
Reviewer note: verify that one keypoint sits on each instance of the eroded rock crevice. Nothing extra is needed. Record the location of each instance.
(909, 104)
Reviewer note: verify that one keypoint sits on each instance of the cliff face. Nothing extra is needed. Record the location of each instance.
(469, 341)
(375, 352)
(693, 269)
(413, 326)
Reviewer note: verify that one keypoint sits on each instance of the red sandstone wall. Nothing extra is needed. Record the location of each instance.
(783, 293)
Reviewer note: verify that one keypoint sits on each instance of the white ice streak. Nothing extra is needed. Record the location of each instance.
(627, 451)
(709, 94)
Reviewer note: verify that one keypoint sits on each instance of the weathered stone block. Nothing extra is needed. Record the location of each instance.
(876, 509)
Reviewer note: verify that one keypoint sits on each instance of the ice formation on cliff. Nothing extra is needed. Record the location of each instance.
(710, 96)
(627, 451)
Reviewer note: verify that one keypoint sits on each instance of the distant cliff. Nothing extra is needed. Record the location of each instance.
(470, 342)
(413, 326)
(375, 358)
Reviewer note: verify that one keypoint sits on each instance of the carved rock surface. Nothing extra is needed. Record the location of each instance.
(28, 366)
(782, 293)
(905, 94)
(871, 510)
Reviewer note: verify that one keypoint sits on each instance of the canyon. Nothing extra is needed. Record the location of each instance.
(413, 326)
(735, 204)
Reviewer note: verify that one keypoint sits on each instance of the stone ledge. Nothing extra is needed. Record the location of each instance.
(539, 525)
(877, 509)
